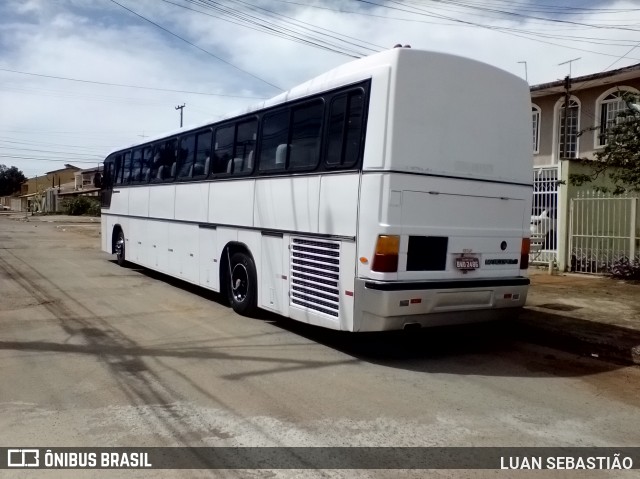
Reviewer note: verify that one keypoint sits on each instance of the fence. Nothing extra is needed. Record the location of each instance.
(544, 218)
(602, 229)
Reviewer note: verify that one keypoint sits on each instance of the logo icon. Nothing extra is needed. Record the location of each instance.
(23, 457)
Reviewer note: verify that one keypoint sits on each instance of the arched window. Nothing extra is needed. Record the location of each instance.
(610, 104)
(535, 118)
(571, 125)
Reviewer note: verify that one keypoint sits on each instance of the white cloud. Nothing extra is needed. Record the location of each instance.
(97, 40)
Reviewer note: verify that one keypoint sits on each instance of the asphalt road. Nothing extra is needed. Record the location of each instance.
(92, 354)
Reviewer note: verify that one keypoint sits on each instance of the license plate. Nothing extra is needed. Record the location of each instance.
(467, 263)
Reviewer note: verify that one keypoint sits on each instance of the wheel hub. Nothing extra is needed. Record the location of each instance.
(239, 282)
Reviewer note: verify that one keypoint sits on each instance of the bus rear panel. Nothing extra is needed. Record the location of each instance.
(444, 205)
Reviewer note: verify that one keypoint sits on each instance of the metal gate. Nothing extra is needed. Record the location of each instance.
(603, 229)
(544, 217)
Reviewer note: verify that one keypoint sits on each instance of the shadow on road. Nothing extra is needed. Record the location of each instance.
(490, 349)
(494, 349)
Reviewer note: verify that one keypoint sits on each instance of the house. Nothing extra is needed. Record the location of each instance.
(50, 179)
(32, 191)
(594, 102)
(87, 182)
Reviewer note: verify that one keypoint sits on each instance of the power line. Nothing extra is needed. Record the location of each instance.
(452, 21)
(507, 31)
(31, 143)
(128, 86)
(50, 151)
(196, 46)
(298, 31)
(33, 158)
(333, 32)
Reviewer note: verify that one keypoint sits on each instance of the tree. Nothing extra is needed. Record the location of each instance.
(619, 160)
(10, 180)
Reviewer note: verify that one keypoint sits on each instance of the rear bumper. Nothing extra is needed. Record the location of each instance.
(381, 305)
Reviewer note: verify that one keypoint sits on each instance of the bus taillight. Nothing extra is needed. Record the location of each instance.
(385, 259)
(524, 253)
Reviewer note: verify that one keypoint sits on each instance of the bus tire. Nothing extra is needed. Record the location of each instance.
(243, 284)
(120, 248)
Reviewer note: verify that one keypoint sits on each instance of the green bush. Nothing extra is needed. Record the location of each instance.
(626, 268)
(82, 205)
(94, 209)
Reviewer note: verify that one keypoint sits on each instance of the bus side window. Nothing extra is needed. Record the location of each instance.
(274, 141)
(117, 177)
(344, 130)
(108, 172)
(155, 172)
(146, 164)
(245, 145)
(305, 136)
(203, 154)
(169, 160)
(353, 137)
(186, 155)
(223, 148)
(136, 165)
(126, 168)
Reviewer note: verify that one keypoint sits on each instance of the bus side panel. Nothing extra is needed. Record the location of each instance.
(339, 204)
(231, 202)
(348, 253)
(287, 203)
(159, 236)
(376, 139)
(208, 257)
(162, 201)
(183, 247)
(311, 317)
(271, 274)
(191, 201)
(139, 201)
(106, 229)
(136, 241)
(120, 201)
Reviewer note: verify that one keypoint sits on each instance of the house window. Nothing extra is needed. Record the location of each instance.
(535, 117)
(610, 108)
(568, 133)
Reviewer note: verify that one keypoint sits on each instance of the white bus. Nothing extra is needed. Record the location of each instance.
(393, 191)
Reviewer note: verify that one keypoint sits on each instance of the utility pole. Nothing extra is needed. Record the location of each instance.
(567, 98)
(570, 62)
(180, 107)
(36, 195)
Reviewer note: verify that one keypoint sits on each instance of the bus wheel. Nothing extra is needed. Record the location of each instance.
(243, 290)
(120, 248)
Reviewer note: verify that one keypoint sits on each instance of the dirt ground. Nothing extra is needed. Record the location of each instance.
(593, 298)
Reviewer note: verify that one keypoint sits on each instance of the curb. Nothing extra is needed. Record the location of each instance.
(57, 220)
(598, 340)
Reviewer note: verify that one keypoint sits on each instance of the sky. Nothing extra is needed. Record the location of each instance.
(80, 78)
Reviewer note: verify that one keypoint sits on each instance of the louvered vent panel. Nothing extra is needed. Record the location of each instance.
(315, 275)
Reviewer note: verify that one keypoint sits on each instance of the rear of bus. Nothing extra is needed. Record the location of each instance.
(445, 195)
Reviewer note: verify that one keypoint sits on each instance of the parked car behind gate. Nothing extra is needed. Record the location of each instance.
(544, 223)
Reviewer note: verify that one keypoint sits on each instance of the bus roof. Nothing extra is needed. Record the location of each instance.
(347, 73)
